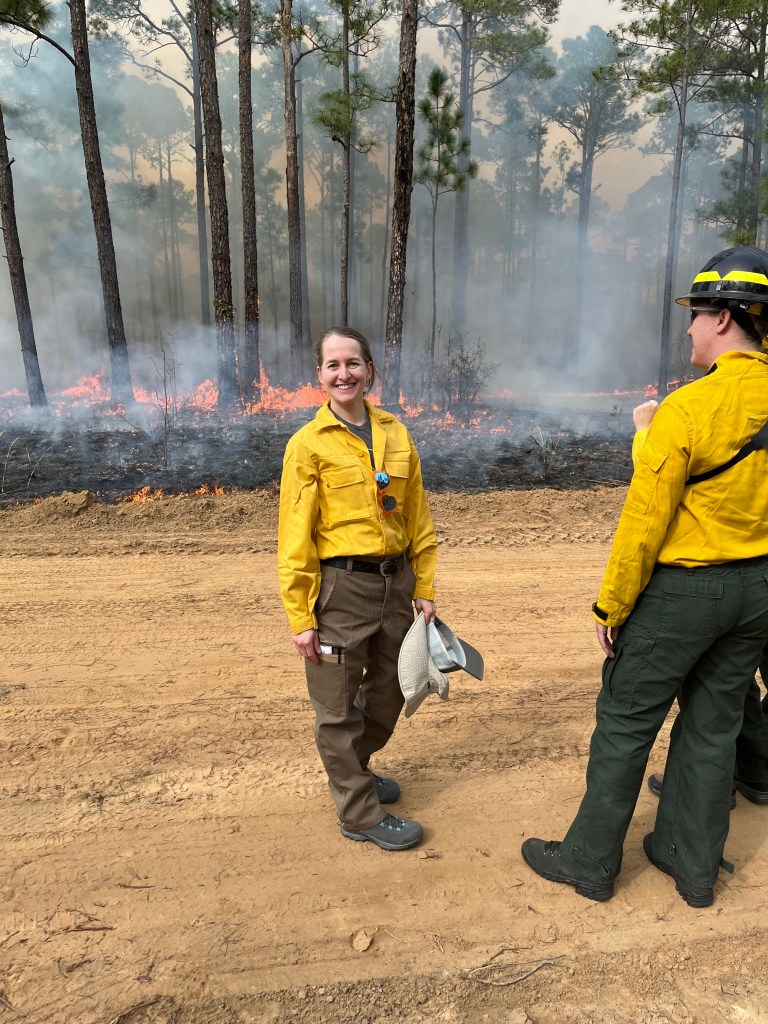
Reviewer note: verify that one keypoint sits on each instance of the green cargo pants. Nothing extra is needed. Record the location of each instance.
(752, 741)
(695, 634)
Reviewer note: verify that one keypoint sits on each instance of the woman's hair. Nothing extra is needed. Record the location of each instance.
(754, 326)
(750, 325)
(346, 332)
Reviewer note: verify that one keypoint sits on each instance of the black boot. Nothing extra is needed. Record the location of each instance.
(694, 895)
(546, 860)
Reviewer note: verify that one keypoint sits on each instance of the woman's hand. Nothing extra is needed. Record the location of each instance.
(308, 644)
(428, 607)
(642, 415)
(607, 637)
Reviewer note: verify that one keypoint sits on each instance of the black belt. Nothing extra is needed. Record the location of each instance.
(381, 566)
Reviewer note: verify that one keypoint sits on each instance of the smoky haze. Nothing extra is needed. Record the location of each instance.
(525, 310)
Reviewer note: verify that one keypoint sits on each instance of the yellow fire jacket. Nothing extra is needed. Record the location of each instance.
(695, 429)
(330, 506)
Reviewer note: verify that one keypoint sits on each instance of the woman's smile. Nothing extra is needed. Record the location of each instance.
(344, 374)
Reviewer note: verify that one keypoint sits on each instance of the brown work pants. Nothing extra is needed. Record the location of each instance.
(357, 699)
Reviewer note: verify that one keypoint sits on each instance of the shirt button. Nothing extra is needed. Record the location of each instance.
(361, 454)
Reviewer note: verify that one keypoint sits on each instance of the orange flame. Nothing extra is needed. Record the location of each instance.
(145, 494)
(93, 390)
(87, 390)
(205, 491)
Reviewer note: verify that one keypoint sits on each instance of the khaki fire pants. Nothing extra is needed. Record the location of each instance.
(356, 695)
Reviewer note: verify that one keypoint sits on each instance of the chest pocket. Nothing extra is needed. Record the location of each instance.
(398, 465)
(345, 495)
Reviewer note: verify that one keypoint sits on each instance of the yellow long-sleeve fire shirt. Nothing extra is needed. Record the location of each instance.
(723, 519)
(329, 506)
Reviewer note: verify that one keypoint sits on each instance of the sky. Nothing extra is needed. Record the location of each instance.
(618, 172)
(577, 15)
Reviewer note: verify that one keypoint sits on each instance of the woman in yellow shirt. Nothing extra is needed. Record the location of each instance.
(356, 552)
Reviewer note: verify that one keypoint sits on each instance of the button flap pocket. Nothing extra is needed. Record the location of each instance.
(639, 644)
(398, 465)
(653, 456)
(344, 476)
(691, 586)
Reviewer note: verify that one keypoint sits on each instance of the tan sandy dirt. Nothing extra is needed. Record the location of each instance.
(169, 848)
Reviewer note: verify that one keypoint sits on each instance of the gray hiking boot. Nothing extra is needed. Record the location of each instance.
(387, 790)
(391, 833)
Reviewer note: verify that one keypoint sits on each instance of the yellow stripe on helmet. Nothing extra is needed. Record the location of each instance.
(732, 275)
(746, 275)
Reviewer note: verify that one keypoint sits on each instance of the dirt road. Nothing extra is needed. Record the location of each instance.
(169, 848)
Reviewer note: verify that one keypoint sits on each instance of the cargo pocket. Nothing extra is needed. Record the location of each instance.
(620, 674)
(690, 604)
(327, 685)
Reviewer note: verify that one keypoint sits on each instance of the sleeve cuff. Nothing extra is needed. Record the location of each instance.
(599, 614)
(299, 625)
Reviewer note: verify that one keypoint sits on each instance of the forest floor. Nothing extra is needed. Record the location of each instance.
(115, 454)
(169, 847)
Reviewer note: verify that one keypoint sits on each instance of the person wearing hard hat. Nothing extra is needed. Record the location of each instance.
(357, 551)
(752, 741)
(683, 606)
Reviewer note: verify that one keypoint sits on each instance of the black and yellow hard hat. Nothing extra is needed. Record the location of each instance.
(736, 277)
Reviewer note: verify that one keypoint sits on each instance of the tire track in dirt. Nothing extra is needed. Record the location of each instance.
(167, 832)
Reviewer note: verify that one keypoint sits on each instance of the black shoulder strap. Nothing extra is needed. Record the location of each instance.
(760, 440)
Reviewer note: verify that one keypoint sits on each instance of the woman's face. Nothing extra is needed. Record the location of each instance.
(344, 374)
(706, 341)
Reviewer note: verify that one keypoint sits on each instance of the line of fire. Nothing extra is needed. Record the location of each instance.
(173, 443)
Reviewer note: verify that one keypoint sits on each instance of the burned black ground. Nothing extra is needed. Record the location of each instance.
(519, 448)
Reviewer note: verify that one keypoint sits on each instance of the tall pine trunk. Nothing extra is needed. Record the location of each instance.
(199, 148)
(32, 373)
(217, 197)
(582, 236)
(673, 228)
(164, 230)
(346, 144)
(122, 390)
(433, 327)
(353, 304)
(295, 311)
(251, 357)
(405, 118)
(306, 321)
(461, 214)
(173, 223)
(381, 324)
(759, 113)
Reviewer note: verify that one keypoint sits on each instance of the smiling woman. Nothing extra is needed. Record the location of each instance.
(356, 552)
(345, 374)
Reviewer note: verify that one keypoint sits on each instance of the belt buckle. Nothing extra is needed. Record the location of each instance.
(388, 567)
